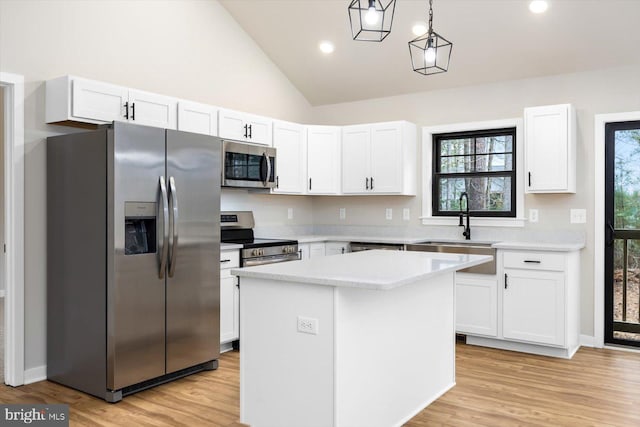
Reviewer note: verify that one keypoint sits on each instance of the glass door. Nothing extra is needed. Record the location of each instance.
(622, 234)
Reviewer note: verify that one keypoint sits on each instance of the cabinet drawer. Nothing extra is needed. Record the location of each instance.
(229, 259)
(534, 261)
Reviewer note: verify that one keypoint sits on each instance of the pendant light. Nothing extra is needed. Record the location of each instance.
(430, 52)
(371, 19)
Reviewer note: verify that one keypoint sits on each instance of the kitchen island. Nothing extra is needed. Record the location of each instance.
(361, 339)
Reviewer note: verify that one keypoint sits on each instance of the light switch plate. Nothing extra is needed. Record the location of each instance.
(343, 213)
(578, 216)
(406, 214)
(533, 215)
(389, 214)
(290, 213)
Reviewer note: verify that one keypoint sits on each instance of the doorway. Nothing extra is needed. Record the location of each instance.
(622, 234)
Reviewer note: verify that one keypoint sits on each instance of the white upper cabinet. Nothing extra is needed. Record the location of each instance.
(72, 100)
(550, 153)
(150, 109)
(197, 118)
(379, 158)
(289, 141)
(245, 127)
(323, 160)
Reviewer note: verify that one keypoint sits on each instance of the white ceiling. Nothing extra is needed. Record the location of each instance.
(493, 40)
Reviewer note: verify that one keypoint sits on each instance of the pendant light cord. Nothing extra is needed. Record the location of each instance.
(430, 16)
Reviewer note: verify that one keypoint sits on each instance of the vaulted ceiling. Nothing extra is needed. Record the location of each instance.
(493, 40)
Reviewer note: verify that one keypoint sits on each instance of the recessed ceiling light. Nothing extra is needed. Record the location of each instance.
(538, 6)
(419, 28)
(326, 47)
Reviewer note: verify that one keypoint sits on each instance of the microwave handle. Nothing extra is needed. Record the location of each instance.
(265, 180)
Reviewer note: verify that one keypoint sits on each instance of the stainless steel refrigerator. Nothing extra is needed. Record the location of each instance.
(133, 248)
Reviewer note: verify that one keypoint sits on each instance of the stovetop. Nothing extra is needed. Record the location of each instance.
(261, 243)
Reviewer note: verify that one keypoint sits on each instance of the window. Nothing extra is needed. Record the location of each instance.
(480, 163)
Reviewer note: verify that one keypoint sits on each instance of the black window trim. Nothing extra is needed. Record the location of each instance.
(436, 174)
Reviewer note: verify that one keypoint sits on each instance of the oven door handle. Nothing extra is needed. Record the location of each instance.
(263, 261)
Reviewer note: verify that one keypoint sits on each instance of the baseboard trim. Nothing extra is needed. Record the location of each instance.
(587, 341)
(33, 375)
(542, 350)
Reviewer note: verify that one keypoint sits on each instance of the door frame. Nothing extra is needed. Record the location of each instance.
(601, 121)
(14, 227)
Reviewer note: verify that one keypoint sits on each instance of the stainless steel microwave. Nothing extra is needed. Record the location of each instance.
(248, 165)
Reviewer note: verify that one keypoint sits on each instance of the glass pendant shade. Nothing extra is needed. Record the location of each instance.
(371, 19)
(430, 53)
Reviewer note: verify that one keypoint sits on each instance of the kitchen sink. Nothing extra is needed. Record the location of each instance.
(474, 248)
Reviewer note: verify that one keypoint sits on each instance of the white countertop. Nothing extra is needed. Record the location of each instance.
(376, 270)
(522, 245)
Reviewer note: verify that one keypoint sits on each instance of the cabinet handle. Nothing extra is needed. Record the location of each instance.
(225, 260)
(300, 254)
(277, 182)
(309, 183)
(342, 250)
(366, 183)
(133, 111)
(529, 179)
(250, 131)
(506, 281)
(126, 110)
(372, 183)
(245, 131)
(532, 261)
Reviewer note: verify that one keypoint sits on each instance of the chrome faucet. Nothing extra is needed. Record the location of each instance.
(467, 230)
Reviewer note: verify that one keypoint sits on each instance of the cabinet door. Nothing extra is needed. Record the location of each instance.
(244, 127)
(316, 250)
(547, 149)
(197, 118)
(231, 125)
(533, 306)
(336, 248)
(303, 249)
(151, 109)
(288, 139)
(356, 159)
(260, 130)
(323, 160)
(476, 305)
(386, 158)
(229, 308)
(98, 101)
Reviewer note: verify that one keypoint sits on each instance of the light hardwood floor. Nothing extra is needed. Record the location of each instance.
(494, 388)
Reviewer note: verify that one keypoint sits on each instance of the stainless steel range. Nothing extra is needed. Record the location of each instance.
(237, 227)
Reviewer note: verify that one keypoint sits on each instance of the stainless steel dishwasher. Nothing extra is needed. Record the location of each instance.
(362, 246)
(474, 248)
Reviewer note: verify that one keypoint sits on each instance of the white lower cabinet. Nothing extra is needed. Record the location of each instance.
(311, 250)
(477, 304)
(336, 248)
(229, 297)
(536, 305)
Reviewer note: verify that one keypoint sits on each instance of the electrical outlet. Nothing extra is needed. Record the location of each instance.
(578, 216)
(307, 325)
(406, 214)
(389, 214)
(290, 213)
(343, 213)
(533, 215)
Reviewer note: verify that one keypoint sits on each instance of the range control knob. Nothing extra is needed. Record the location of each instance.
(255, 252)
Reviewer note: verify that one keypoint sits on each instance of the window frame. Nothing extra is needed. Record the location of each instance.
(437, 139)
(427, 218)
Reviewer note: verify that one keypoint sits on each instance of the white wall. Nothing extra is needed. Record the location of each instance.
(2, 257)
(595, 92)
(191, 49)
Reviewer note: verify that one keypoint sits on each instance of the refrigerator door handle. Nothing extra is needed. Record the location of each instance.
(165, 228)
(174, 222)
